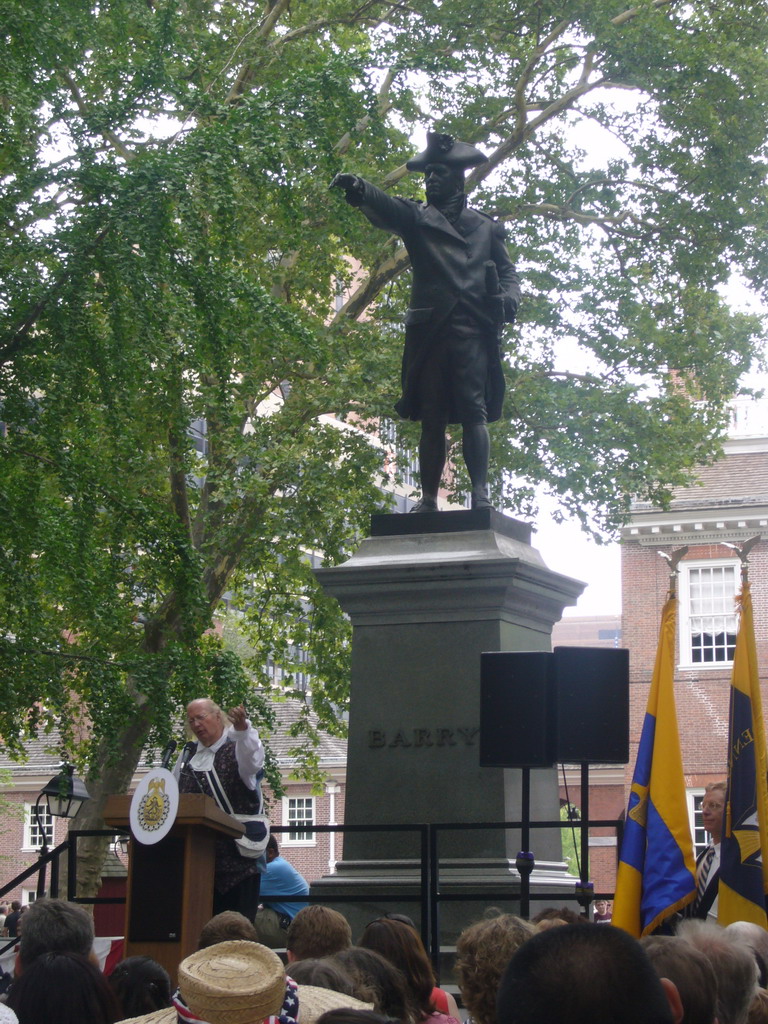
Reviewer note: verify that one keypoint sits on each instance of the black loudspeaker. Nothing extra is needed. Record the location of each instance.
(156, 917)
(516, 709)
(592, 715)
(538, 709)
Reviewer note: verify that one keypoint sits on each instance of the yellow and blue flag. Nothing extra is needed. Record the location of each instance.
(743, 863)
(657, 871)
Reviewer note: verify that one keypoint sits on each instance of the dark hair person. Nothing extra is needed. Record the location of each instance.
(63, 988)
(345, 1016)
(54, 926)
(377, 981)
(323, 973)
(584, 974)
(141, 986)
(227, 926)
(402, 946)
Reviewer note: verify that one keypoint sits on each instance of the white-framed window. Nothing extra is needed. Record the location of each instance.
(33, 836)
(708, 619)
(699, 833)
(299, 811)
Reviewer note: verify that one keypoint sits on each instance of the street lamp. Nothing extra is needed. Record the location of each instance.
(63, 796)
(64, 793)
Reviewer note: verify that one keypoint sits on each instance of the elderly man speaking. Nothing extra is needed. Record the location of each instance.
(225, 762)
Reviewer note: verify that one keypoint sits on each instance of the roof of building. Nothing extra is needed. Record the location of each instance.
(736, 479)
(729, 502)
(331, 749)
(741, 478)
(42, 756)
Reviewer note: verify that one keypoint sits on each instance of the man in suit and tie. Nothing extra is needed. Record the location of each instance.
(708, 861)
(464, 287)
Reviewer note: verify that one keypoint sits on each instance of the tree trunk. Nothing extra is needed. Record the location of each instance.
(113, 766)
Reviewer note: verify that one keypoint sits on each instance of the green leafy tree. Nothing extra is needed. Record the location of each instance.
(569, 838)
(169, 253)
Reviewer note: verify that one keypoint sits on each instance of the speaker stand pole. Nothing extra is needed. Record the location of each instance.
(524, 862)
(585, 888)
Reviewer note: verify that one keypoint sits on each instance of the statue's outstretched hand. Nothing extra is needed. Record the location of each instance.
(345, 181)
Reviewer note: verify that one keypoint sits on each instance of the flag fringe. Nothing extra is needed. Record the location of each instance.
(667, 913)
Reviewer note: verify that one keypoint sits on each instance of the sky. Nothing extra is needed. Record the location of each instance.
(566, 549)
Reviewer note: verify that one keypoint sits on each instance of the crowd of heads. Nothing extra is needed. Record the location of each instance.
(557, 968)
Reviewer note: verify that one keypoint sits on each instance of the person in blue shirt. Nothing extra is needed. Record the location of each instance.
(281, 879)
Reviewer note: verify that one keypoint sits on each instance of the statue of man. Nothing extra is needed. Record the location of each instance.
(464, 288)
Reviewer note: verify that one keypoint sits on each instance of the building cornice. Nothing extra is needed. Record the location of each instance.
(745, 444)
(708, 524)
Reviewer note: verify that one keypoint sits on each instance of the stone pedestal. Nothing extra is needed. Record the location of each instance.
(427, 594)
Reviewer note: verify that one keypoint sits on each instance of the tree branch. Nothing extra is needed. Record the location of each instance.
(582, 378)
(16, 338)
(356, 17)
(178, 480)
(109, 136)
(600, 182)
(262, 30)
(368, 289)
(383, 104)
(622, 19)
(38, 458)
(523, 81)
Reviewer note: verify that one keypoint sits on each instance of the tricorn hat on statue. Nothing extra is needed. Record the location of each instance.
(444, 149)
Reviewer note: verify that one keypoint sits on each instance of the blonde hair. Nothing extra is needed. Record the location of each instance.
(710, 786)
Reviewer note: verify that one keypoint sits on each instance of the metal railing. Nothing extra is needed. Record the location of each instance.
(431, 895)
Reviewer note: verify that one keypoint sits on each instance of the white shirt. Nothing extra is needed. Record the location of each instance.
(715, 866)
(249, 753)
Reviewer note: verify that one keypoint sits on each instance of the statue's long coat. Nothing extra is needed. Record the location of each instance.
(448, 263)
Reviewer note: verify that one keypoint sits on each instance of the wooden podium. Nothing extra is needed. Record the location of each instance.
(170, 883)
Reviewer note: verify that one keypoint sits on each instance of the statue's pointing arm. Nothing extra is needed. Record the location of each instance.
(352, 186)
(381, 209)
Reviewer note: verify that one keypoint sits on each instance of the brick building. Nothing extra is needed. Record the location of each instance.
(20, 836)
(312, 853)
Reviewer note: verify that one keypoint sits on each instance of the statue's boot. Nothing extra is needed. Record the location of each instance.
(480, 498)
(425, 505)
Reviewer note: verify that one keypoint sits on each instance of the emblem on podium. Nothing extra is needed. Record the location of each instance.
(154, 806)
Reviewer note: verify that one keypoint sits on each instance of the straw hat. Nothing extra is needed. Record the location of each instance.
(314, 1001)
(168, 1016)
(236, 982)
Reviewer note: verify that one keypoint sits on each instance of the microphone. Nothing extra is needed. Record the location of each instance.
(166, 758)
(186, 753)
